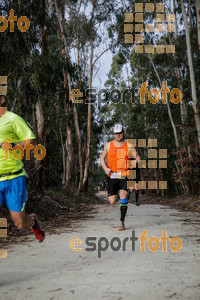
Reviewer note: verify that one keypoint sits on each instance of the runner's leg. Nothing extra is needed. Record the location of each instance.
(123, 204)
(22, 220)
(16, 198)
(136, 194)
(115, 185)
(112, 199)
(113, 188)
(123, 194)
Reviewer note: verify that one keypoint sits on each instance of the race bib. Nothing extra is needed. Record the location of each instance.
(114, 175)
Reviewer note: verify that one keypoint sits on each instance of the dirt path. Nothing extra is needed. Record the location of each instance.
(51, 270)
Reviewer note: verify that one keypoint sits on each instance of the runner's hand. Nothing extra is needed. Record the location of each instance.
(107, 171)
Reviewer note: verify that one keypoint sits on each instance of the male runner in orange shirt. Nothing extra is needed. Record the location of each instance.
(116, 167)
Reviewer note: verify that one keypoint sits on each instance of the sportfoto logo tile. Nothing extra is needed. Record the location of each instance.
(3, 234)
(18, 151)
(3, 92)
(157, 158)
(102, 244)
(23, 22)
(75, 241)
(115, 96)
(75, 93)
(162, 23)
(3, 85)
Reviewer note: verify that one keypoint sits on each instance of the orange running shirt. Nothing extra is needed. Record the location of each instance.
(117, 157)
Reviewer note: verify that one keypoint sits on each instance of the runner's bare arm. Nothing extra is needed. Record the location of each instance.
(103, 157)
(132, 153)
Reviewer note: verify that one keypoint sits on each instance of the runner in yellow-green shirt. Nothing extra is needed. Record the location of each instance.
(13, 190)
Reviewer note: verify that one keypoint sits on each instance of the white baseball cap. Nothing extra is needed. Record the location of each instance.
(118, 128)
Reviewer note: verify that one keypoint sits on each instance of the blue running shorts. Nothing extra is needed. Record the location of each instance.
(14, 193)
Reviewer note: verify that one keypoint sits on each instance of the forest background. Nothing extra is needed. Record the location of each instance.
(62, 50)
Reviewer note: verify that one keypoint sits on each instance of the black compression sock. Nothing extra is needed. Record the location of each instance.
(136, 195)
(123, 210)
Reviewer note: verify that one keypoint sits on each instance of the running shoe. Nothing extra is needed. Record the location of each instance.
(39, 232)
(121, 226)
(137, 203)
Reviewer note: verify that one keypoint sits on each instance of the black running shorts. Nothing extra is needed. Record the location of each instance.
(114, 185)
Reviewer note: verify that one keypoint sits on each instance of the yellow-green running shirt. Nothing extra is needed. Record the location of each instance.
(12, 127)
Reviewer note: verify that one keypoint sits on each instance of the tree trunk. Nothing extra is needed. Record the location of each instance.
(197, 2)
(78, 135)
(67, 79)
(88, 154)
(40, 119)
(63, 156)
(79, 149)
(171, 119)
(168, 106)
(183, 107)
(41, 165)
(78, 60)
(43, 43)
(190, 15)
(192, 75)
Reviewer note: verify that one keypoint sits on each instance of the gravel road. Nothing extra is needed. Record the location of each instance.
(51, 270)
